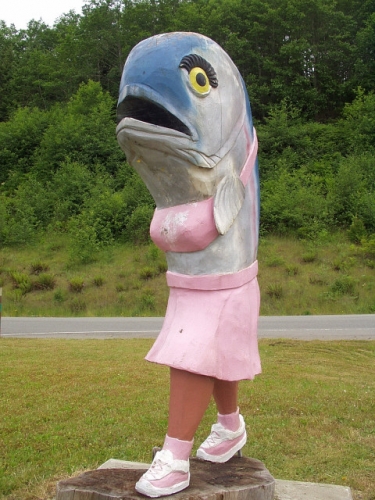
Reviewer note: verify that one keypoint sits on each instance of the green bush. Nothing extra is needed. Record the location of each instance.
(138, 228)
(76, 284)
(38, 267)
(21, 281)
(44, 282)
(357, 230)
(344, 286)
(275, 290)
(98, 281)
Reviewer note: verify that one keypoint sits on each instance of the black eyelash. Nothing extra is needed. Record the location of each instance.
(193, 60)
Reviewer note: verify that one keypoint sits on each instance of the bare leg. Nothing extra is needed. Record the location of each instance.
(190, 395)
(225, 395)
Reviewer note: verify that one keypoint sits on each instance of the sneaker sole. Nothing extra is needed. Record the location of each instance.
(146, 488)
(225, 456)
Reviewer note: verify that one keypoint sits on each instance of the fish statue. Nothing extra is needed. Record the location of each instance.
(185, 125)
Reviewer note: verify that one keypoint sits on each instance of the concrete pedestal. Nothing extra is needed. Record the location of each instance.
(239, 479)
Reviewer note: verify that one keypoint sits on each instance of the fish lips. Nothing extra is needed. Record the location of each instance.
(144, 116)
(144, 104)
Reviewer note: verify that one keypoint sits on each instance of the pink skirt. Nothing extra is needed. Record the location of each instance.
(211, 332)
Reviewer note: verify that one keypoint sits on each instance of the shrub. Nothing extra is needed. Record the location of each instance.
(275, 290)
(357, 231)
(344, 286)
(153, 253)
(98, 281)
(274, 261)
(309, 257)
(343, 264)
(59, 295)
(77, 305)
(21, 281)
(38, 267)
(147, 273)
(44, 282)
(138, 229)
(368, 248)
(147, 301)
(162, 267)
(76, 285)
(292, 270)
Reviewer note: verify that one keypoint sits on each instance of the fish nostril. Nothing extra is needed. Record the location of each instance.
(147, 111)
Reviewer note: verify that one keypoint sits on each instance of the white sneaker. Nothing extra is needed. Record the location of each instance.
(222, 444)
(165, 476)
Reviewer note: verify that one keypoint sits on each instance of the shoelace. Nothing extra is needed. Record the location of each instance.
(157, 466)
(213, 439)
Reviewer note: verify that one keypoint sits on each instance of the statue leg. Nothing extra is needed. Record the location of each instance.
(169, 473)
(225, 395)
(228, 435)
(190, 395)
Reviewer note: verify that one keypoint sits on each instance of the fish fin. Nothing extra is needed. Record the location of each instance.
(228, 200)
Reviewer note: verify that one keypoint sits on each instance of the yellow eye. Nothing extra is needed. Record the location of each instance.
(199, 80)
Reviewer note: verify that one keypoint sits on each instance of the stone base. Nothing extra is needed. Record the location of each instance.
(239, 479)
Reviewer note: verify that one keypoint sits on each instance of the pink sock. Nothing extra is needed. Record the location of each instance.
(180, 449)
(231, 421)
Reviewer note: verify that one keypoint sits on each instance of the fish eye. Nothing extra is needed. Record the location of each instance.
(202, 76)
(199, 80)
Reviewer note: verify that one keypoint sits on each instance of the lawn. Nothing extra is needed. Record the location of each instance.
(69, 405)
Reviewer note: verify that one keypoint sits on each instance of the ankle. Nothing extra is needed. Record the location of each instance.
(230, 421)
(180, 449)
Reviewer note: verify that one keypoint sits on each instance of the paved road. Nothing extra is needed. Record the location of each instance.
(345, 327)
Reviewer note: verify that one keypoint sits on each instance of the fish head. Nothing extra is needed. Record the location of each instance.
(181, 107)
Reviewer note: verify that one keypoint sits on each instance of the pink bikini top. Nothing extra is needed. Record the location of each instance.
(191, 227)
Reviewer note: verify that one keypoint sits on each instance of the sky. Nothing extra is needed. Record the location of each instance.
(20, 12)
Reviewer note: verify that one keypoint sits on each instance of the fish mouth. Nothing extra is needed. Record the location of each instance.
(147, 111)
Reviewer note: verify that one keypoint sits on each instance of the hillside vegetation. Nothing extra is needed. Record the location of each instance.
(327, 276)
(70, 205)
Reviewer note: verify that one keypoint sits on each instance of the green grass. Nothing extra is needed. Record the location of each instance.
(69, 405)
(329, 276)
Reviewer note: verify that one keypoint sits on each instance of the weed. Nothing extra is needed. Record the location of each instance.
(76, 285)
(147, 273)
(162, 267)
(147, 301)
(21, 281)
(292, 270)
(343, 264)
(368, 250)
(344, 286)
(317, 279)
(153, 253)
(274, 261)
(120, 288)
(357, 231)
(38, 267)
(1, 282)
(275, 290)
(309, 257)
(44, 282)
(77, 305)
(59, 296)
(98, 281)
(15, 295)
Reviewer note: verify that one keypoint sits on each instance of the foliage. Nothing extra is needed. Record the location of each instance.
(309, 70)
